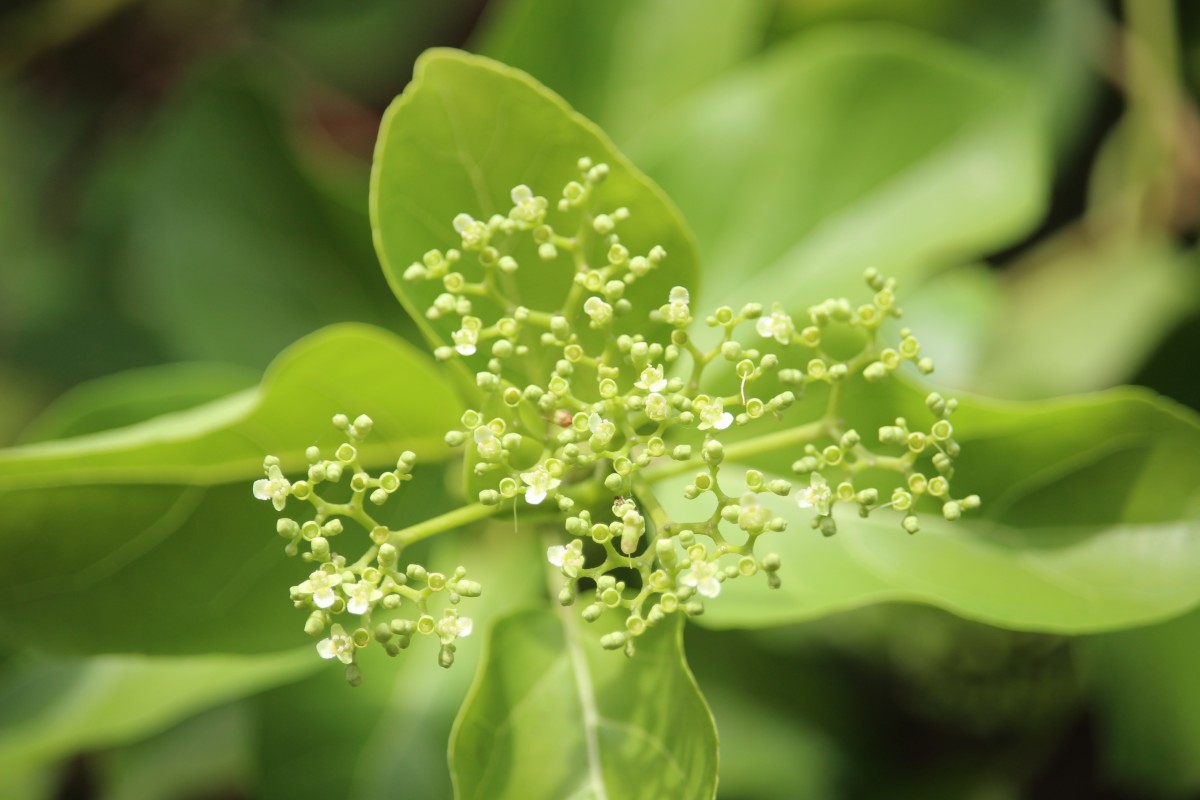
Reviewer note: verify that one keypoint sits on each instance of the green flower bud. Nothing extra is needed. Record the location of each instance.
(875, 371)
(613, 641)
(592, 612)
(316, 622)
(446, 656)
(911, 523)
(951, 511)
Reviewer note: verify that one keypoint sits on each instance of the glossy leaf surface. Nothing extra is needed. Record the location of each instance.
(1091, 521)
(555, 715)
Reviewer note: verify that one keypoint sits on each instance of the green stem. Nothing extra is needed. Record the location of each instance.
(444, 522)
(801, 434)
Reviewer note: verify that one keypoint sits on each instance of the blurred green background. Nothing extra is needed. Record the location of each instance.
(184, 183)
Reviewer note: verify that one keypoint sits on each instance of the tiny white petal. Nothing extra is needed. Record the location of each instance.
(326, 649)
(534, 495)
(556, 554)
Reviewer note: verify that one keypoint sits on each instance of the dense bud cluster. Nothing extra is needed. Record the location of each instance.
(587, 405)
(380, 599)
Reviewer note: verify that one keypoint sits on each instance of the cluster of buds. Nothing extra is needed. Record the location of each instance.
(588, 403)
(378, 598)
(620, 409)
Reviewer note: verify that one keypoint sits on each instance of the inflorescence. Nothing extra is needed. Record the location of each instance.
(582, 418)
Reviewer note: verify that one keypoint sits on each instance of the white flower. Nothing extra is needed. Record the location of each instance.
(487, 443)
(528, 210)
(818, 495)
(703, 577)
(778, 326)
(652, 379)
(452, 626)
(600, 311)
(569, 558)
(274, 487)
(320, 585)
(339, 645)
(601, 429)
(657, 407)
(676, 310)
(712, 413)
(474, 233)
(362, 596)
(540, 483)
(467, 337)
(752, 515)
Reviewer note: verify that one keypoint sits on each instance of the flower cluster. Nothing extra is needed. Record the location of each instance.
(623, 409)
(586, 406)
(380, 600)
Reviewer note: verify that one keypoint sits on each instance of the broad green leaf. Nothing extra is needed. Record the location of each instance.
(1091, 522)
(156, 522)
(234, 252)
(120, 400)
(848, 148)
(1047, 43)
(202, 756)
(387, 737)
(463, 134)
(54, 708)
(1144, 683)
(554, 715)
(1084, 316)
(348, 369)
(623, 62)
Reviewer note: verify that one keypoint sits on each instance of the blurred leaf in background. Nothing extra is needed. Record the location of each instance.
(187, 181)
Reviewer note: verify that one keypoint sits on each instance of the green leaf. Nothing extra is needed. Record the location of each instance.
(348, 369)
(116, 401)
(54, 708)
(848, 148)
(463, 134)
(387, 737)
(156, 522)
(1090, 522)
(1149, 711)
(1086, 315)
(201, 756)
(234, 251)
(554, 715)
(623, 62)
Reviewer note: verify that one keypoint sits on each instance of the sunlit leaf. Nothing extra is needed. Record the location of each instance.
(844, 149)
(1091, 521)
(555, 715)
(639, 58)
(463, 134)
(152, 531)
